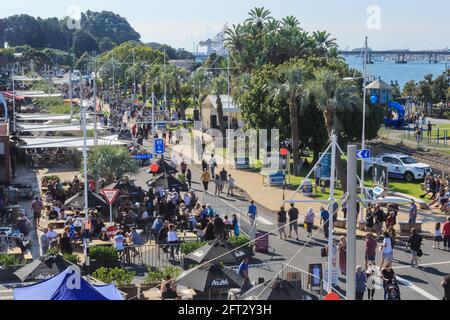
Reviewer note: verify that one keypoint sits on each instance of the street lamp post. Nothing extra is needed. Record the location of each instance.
(330, 268)
(363, 138)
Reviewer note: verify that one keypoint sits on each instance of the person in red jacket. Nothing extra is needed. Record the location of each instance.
(446, 234)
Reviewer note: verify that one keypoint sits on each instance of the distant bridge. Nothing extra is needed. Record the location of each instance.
(401, 54)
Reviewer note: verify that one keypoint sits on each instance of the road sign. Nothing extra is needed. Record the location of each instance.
(143, 156)
(159, 146)
(110, 194)
(363, 154)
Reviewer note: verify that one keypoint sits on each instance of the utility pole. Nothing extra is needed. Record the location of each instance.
(70, 94)
(165, 84)
(351, 221)
(114, 77)
(330, 268)
(85, 152)
(14, 100)
(95, 101)
(363, 139)
(153, 115)
(134, 73)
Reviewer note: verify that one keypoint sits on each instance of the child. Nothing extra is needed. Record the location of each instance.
(437, 236)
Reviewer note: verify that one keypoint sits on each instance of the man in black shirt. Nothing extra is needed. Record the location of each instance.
(293, 220)
(281, 221)
(223, 179)
(415, 242)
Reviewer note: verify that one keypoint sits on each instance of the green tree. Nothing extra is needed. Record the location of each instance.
(110, 163)
(396, 92)
(293, 89)
(83, 42)
(424, 90)
(410, 89)
(24, 30)
(331, 95)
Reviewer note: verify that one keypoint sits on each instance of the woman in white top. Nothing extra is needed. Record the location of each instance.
(172, 240)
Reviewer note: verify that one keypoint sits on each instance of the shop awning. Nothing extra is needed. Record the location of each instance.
(66, 142)
(55, 128)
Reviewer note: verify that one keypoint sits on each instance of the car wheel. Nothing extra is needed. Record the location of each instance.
(409, 177)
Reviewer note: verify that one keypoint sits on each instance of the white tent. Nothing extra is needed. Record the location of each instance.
(37, 94)
(55, 127)
(72, 142)
(42, 117)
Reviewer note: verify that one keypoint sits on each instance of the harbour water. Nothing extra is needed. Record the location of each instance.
(402, 73)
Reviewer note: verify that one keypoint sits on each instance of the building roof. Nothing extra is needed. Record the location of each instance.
(379, 85)
(226, 101)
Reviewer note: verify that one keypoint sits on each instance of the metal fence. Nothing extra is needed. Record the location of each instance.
(152, 255)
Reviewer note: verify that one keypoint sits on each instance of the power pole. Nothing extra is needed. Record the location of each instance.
(14, 100)
(95, 100)
(363, 138)
(70, 94)
(165, 84)
(134, 73)
(351, 221)
(330, 268)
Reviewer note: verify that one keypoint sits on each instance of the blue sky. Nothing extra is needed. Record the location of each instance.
(414, 24)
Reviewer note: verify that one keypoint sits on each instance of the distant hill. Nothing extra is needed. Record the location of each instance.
(100, 32)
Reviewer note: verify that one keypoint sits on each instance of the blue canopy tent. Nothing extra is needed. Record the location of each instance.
(68, 285)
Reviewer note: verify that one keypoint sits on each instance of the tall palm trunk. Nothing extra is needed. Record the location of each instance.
(340, 167)
(221, 118)
(293, 109)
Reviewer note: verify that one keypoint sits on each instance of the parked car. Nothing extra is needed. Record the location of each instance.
(399, 166)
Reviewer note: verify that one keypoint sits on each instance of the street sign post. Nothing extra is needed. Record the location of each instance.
(363, 154)
(143, 156)
(159, 146)
(111, 196)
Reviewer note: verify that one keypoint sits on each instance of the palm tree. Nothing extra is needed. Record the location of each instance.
(333, 94)
(258, 17)
(199, 82)
(110, 163)
(218, 87)
(323, 41)
(293, 89)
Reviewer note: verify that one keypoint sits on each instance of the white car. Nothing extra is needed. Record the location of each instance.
(399, 166)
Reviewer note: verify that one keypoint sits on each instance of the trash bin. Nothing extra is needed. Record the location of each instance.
(307, 188)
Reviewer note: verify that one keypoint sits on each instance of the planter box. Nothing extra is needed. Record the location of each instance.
(99, 264)
(130, 291)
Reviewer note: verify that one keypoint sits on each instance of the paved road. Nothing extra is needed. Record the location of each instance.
(417, 284)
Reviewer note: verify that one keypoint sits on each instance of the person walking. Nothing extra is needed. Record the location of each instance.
(45, 242)
(446, 285)
(293, 220)
(360, 284)
(414, 243)
(437, 236)
(412, 214)
(217, 183)
(387, 249)
(189, 178)
(213, 165)
(370, 250)
(317, 177)
(235, 224)
(446, 234)
(231, 185)
(324, 221)
(206, 178)
(309, 221)
(223, 178)
(252, 211)
(342, 250)
(281, 222)
(36, 208)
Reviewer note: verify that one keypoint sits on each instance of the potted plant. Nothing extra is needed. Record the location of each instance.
(241, 241)
(154, 277)
(120, 277)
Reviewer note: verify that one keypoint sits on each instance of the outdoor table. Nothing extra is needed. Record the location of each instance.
(11, 251)
(57, 224)
(98, 243)
(188, 236)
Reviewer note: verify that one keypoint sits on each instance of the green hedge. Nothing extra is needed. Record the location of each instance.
(158, 275)
(103, 254)
(189, 247)
(118, 276)
(8, 260)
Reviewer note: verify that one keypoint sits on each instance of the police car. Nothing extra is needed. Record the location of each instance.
(399, 166)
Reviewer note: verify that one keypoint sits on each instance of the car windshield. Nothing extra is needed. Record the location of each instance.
(408, 160)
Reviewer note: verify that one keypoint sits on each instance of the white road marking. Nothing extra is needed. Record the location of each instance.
(264, 221)
(416, 289)
(424, 265)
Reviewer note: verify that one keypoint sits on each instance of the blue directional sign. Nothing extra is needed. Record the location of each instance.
(143, 156)
(159, 146)
(363, 154)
